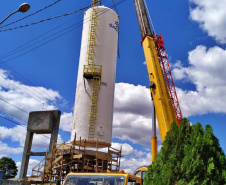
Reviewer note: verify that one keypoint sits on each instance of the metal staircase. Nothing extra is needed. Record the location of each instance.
(92, 71)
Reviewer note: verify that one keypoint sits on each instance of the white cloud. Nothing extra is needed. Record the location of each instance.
(207, 72)
(32, 163)
(132, 114)
(127, 150)
(135, 158)
(178, 71)
(135, 128)
(10, 133)
(159, 148)
(66, 121)
(132, 99)
(131, 164)
(211, 16)
(132, 158)
(18, 99)
(5, 150)
(40, 141)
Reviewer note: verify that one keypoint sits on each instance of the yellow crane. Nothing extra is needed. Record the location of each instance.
(162, 89)
(161, 83)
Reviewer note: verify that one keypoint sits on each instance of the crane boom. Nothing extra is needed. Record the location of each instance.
(159, 86)
(163, 105)
(167, 75)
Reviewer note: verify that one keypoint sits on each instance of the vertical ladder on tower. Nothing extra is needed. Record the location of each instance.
(91, 71)
(92, 34)
(93, 106)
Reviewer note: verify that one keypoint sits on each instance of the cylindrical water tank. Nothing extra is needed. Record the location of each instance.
(105, 54)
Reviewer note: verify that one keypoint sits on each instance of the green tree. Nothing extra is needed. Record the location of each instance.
(8, 166)
(190, 155)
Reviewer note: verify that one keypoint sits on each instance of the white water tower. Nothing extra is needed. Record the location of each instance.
(93, 109)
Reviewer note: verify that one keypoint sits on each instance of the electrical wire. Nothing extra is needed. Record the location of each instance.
(74, 28)
(13, 105)
(23, 109)
(10, 114)
(13, 115)
(12, 121)
(21, 46)
(36, 95)
(31, 14)
(115, 7)
(25, 91)
(39, 45)
(14, 50)
(30, 83)
(31, 95)
(150, 20)
(55, 17)
(20, 124)
(78, 25)
(28, 46)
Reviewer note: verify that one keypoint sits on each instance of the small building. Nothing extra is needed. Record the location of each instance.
(1, 176)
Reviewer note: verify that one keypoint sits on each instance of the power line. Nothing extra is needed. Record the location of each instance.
(13, 115)
(12, 121)
(67, 32)
(20, 124)
(30, 94)
(25, 91)
(39, 46)
(6, 112)
(34, 95)
(23, 109)
(21, 46)
(78, 23)
(35, 89)
(55, 38)
(58, 16)
(40, 98)
(31, 14)
(18, 50)
(115, 7)
(13, 105)
(37, 95)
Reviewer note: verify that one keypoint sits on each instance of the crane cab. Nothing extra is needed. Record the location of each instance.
(101, 179)
(141, 172)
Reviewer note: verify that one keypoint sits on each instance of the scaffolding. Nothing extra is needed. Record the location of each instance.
(77, 156)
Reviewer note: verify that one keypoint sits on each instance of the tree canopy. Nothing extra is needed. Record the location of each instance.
(190, 155)
(8, 166)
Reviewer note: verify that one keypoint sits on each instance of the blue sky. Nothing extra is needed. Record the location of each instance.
(42, 72)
